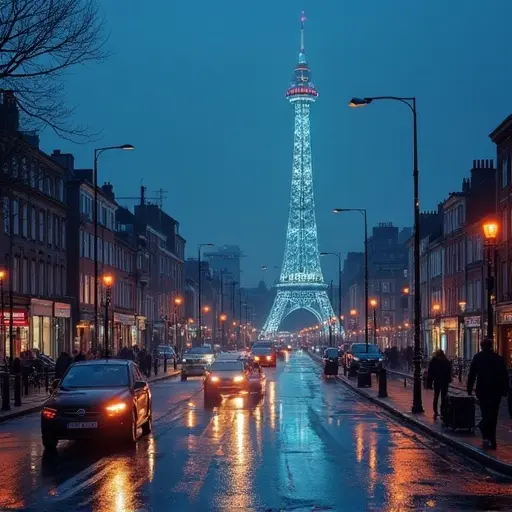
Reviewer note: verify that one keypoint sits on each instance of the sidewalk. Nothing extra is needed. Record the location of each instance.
(399, 403)
(34, 401)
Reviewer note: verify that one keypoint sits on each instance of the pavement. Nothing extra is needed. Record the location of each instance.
(308, 444)
(34, 401)
(399, 403)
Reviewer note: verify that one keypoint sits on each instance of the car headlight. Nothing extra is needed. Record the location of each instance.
(116, 408)
(238, 378)
(213, 378)
(381, 359)
(355, 358)
(184, 361)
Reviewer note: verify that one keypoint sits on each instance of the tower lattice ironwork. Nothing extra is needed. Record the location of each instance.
(301, 283)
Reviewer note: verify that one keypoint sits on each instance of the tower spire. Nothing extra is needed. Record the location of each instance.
(302, 55)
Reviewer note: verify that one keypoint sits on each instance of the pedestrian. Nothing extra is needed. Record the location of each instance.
(62, 364)
(489, 371)
(79, 356)
(440, 374)
(148, 364)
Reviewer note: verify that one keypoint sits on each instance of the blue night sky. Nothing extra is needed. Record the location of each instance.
(198, 87)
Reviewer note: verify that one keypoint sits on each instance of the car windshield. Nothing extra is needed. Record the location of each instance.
(227, 366)
(361, 347)
(262, 350)
(200, 350)
(96, 376)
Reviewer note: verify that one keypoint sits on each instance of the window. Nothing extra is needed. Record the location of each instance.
(504, 227)
(56, 231)
(33, 277)
(63, 280)
(63, 234)
(33, 218)
(24, 276)
(82, 288)
(24, 220)
(50, 279)
(56, 274)
(386, 287)
(91, 279)
(15, 217)
(7, 216)
(49, 225)
(41, 225)
(86, 289)
(15, 273)
(40, 291)
(60, 190)
(504, 171)
(86, 250)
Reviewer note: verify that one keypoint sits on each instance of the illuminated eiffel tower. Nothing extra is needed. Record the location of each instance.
(301, 284)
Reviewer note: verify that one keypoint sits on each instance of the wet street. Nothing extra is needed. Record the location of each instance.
(308, 443)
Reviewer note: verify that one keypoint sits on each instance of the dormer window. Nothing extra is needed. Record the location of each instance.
(505, 171)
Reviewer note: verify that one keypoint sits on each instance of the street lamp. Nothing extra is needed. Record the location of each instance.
(373, 304)
(491, 229)
(178, 301)
(362, 211)
(199, 247)
(222, 318)
(417, 406)
(338, 255)
(108, 281)
(97, 153)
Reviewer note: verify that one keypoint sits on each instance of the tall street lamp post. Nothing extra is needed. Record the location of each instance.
(108, 281)
(362, 211)
(338, 255)
(417, 406)
(199, 290)
(2, 326)
(178, 301)
(491, 236)
(97, 153)
(222, 318)
(373, 304)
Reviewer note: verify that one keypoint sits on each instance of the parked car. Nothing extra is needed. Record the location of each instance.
(97, 399)
(364, 357)
(166, 350)
(331, 361)
(196, 361)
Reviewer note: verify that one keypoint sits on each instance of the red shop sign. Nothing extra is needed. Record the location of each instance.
(19, 317)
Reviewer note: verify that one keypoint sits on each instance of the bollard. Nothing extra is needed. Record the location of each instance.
(175, 363)
(383, 383)
(46, 379)
(460, 372)
(155, 367)
(165, 363)
(6, 402)
(405, 382)
(17, 390)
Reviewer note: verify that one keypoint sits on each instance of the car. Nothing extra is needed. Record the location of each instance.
(196, 361)
(232, 377)
(265, 355)
(364, 357)
(95, 399)
(166, 350)
(331, 361)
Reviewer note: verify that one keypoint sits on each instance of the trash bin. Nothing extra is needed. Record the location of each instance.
(364, 379)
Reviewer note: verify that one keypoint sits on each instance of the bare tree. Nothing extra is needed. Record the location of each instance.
(39, 41)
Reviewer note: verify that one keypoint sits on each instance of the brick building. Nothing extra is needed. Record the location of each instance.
(33, 242)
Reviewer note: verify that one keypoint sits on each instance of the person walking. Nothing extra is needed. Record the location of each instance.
(62, 364)
(440, 374)
(489, 371)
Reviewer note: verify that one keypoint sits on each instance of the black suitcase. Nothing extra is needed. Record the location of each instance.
(459, 413)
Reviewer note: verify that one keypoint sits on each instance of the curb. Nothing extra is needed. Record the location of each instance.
(29, 410)
(471, 452)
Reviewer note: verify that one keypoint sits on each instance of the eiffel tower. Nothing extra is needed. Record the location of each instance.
(301, 283)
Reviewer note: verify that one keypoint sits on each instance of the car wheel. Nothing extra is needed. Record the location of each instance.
(183, 377)
(209, 400)
(131, 431)
(148, 426)
(49, 442)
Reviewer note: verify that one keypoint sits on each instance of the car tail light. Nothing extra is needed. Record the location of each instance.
(213, 378)
(269, 358)
(238, 378)
(115, 408)
(49, 413)
(256, 358)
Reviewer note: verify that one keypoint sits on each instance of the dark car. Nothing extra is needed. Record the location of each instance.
(359, 357)
(265, 355)
(95, 399)
(331, 361)
(196, 361)
(225, 377)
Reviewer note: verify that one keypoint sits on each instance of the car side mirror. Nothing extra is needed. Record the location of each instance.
(140, 384)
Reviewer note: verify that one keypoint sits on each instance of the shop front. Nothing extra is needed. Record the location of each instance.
(20, 332)
(141, 331)
(449, 336)
(62, 326)
(41, 319)
(472, 335)
(125, 332)
(83, 336)
(504, 342)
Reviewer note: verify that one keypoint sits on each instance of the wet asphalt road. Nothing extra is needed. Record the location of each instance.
(308, 443)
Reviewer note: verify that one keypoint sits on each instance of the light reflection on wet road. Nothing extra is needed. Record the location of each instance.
(308, 443)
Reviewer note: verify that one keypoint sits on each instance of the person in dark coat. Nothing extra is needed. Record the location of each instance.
(79, 356)
(489, 371)
(440, 374)
(62, 364)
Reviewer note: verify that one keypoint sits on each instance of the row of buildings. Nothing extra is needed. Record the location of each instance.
(48, 249)
(453, 267)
